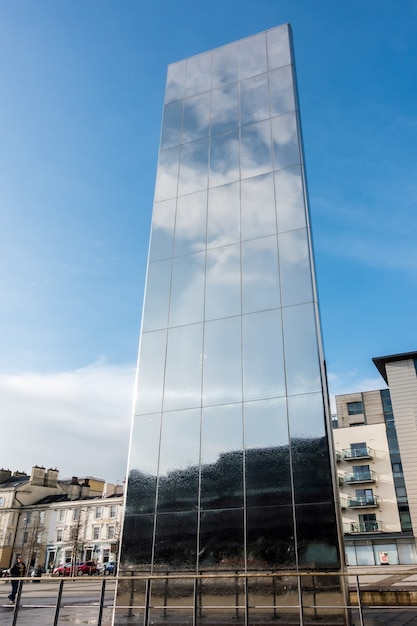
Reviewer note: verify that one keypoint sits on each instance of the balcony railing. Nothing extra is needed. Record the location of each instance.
(356, 503)
(352, 454)
(360, 477)
(372, 526)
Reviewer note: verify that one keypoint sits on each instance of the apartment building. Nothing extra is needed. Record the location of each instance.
(374, 435)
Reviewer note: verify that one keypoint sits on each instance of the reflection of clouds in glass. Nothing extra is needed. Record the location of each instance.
(282, 90)
(223, 282)
(187, 289)
(225, 65)
(190, 223)
(198, 71)
(224, 158)
(145, 435)
(194, 167)
(272, 415)
(285, 141)
(163, 219)
(258, 207)
(222, 376)
(296, 287)
(171, 125)
(290, 199)
(175, 82)
(167, 175)
(183, 367)
(306, 416)
(223, 219)
(155, 314)
(227, 420)
(224, 108)
(151, 372)
(254, 99)
(256, 157)
(252, 53)
(180, 440)
(302, 365)
(196, 117)
(260, 283)
(278, 46)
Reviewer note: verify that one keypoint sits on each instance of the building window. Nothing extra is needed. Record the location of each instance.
(25, 536)
(110, 532)
(59, 535)
(106, 555)
(61, 515)
(368, 523)
(99, 512)
(355, 408)
(358, 449)
(113, 510)
(96, 532)
(42, 517)
(39, 537)
(364, 496)
(1, 501)
(76, 515)
(28, 517)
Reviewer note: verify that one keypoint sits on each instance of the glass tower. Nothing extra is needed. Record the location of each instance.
(230, 468)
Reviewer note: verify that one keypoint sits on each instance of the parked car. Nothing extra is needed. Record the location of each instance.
(86, 567)
(105, 569)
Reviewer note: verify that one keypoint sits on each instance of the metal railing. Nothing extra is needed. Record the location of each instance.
(351, 454)
(360, 477)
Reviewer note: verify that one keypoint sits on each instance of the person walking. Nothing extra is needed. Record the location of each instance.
(17, 571)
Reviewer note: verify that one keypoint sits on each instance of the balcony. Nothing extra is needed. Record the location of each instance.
(360, 503)
(373, 526)
(367, 476)
(353, 454)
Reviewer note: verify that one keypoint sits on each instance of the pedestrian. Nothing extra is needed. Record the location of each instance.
(17, 571)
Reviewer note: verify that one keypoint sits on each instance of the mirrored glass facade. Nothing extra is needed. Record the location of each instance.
(229, 464)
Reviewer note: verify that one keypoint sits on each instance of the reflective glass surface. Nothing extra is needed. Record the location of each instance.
(229, 463)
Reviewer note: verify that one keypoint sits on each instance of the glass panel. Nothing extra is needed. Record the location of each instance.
(130, 593)
(291, 211)
(254, 99)
(386, 554)
(222, 375)
(258, 207)
(224, 158)
(407, 553)
(176, 542)
(225, 64)
(167, 174)
(171, 125)
(301, 349)
(285, 141)
(278, 46)
(183, 368)
(260, 282)
(263, 363)
(187, 289)
(268, 479)
(252, 51)
(350, 555)
(223, 220)
(144, 453)
(221, 457)
(317, 541)
(175, 81)
(270, 537)
(155, 314)
(194, 167)
(294, 259)
(137, 541)
(163, 220)
(190, 225)
(273, 600)
(365, 555)
(323, 599)
(223, 293)
(196, 117)
(198, 74)
(151, 372)
(256, 155)
(224, 109)
(282, 91)
(306, 416)
(221, 540)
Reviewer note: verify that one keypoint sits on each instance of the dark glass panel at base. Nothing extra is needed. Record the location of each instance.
(221, 540)
(270, 538)
(179, 490)
(141, 493)
(222, 482)
(137, 542)
(322, 599)
(268, 479)
(317, 536)
(175, 541)
(311, 470)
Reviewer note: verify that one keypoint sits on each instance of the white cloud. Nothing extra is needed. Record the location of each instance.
(351, 382)
(77, 421)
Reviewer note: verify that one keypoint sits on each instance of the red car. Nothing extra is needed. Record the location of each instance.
(86, 567)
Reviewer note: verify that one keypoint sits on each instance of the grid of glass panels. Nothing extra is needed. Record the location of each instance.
(229, 462)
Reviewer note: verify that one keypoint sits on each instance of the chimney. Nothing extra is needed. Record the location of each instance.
(51, 477)
(4, 475)
(74, 490)
(85, 489)
(37, 477)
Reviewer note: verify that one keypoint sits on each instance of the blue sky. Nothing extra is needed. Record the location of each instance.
(82, 87)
